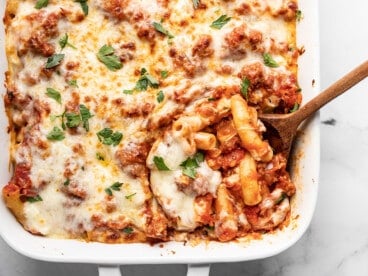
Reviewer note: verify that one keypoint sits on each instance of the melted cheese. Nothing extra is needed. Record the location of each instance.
(66, 174)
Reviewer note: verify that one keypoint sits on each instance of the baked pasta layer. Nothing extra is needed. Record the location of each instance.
(136, 121)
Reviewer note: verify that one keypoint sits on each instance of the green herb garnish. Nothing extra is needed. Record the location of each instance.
(160, 96)
(72, 119)
(281, 198)
(106, 56)
(191, 164)
(220, 22)
(100, 157)
(56, 134)
(114, 187)
(130, 196)
(295, 108)
(244, 88)
(158, 27)
(41, 4)
(128, 230)
(64, 41)
(164, 74)
(34, 199)
(145, 81)
(108, 137)
(53, 94)
(269, 61)
(196, 3)
(67, 182)
(160, 163)
(298, 15)
(84, 6)
(85, 116)
(54, 60)
(73, 83)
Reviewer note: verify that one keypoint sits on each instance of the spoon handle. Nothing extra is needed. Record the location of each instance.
(336, 89)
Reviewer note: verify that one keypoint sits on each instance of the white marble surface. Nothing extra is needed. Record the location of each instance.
(337, 241)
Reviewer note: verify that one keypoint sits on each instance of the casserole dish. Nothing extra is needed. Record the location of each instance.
(304, 168)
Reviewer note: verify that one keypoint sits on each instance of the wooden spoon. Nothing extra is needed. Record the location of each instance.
(282, 128)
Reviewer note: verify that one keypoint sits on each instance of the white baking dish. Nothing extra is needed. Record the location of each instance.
(305, 171)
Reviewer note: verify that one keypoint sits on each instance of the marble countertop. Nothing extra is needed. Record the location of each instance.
(336, 242)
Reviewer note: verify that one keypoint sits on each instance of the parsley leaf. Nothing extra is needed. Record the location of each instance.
(73, 83)
(191, 164)
(54, 60)
(128, 91)
(298, 15)
(106, 56)
(84, 6)
(64, 41)
(295, 108)
(34, 199)
(160, 163)
(85, 116)
(130, 196)
(41, 4)
(244, 88)
(158, 27)
(108, 137)
(56, 134)
(67, 182)
(160, 96)
(108, 191)
(196, 3)
(72, 119)
(220, 22)
(100, 157)
(280, 199)
(128, 230)
(145, 81)
(269, 61)
(53, 94)
(114, 187)
(164, 74)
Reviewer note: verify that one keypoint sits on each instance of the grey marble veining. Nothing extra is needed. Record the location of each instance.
(336, 242)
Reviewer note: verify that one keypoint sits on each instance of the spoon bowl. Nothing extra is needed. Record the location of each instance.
(282, 128)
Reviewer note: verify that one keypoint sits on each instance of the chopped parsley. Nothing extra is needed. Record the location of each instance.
(108, 137)
(160, 163)
(164, 74)
(100, 157)
(298, 15)
(158, 27)
(106, 56)
(84, 6)
(128, 230)
(41, 4)
(67, 182)
(56, 134)
(72, 119)
(191, 164)
(114, 187)
(244, 88)
(64, 41)
(128, 91)
(130, 196)
(53, 94)
(146, 80)
(54, 60)
(196, 3)
(85, 116)
(269, 61)
(34, 199)
(295, 108)
(160, 96)
(73, 83)
(220, 22)
(280, 199)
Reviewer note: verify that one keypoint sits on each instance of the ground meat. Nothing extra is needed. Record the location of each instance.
(203, 48)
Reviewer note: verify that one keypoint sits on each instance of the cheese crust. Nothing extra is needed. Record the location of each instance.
(136, 121)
